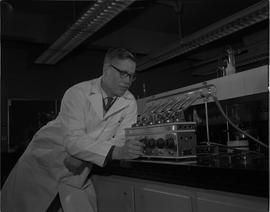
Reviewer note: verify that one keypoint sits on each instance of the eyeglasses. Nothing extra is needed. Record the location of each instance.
(124, 74)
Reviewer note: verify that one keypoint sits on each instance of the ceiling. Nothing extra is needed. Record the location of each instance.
(146, 26)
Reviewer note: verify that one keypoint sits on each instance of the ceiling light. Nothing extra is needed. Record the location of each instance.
(100, 13)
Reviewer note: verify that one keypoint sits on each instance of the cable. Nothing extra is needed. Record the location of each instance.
(233, 125)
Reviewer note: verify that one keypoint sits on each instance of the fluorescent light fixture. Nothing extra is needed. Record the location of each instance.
(227, 26)
(99, 14)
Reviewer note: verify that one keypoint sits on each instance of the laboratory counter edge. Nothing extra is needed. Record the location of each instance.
(247, 181)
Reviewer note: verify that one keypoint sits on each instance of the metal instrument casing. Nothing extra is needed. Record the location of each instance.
(168, 140)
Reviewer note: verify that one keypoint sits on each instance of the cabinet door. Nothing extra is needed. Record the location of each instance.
(161, 199)
(210, 202)
(114, 196)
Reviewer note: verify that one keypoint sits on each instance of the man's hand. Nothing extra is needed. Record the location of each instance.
(131, 150)
(74, 165)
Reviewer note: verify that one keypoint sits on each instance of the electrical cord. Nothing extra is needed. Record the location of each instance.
(234, 125)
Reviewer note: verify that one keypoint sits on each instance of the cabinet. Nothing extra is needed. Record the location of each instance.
(153, 198)
(124, 194)
(212, 201)
(114, 195)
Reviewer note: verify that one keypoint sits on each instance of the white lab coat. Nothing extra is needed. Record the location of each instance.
(80, 130)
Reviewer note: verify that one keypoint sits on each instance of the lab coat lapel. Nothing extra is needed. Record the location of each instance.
(118, 105)
(96, 102)
(95, 98)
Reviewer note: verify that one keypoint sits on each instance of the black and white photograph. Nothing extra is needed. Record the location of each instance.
(134, 106)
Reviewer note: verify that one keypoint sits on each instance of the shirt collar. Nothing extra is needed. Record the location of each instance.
(103, 93)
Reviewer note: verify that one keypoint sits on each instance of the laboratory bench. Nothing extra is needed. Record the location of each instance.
(207, 183)
(244, 177)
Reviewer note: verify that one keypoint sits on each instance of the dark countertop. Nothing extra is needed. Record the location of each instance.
(243, 174)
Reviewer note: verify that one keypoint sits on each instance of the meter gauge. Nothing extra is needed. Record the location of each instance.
(160, 145)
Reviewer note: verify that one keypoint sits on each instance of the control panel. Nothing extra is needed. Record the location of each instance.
(168, 140)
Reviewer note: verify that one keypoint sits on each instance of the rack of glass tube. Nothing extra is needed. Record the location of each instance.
(162, 127)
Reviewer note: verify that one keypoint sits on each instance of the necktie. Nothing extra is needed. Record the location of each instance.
(107, 103)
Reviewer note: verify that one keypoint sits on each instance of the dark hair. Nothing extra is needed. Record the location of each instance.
(119, 53)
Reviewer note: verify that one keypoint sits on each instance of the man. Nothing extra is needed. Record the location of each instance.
(88, 130)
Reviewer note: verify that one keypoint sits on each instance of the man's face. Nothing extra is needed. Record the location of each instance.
(117, 76)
